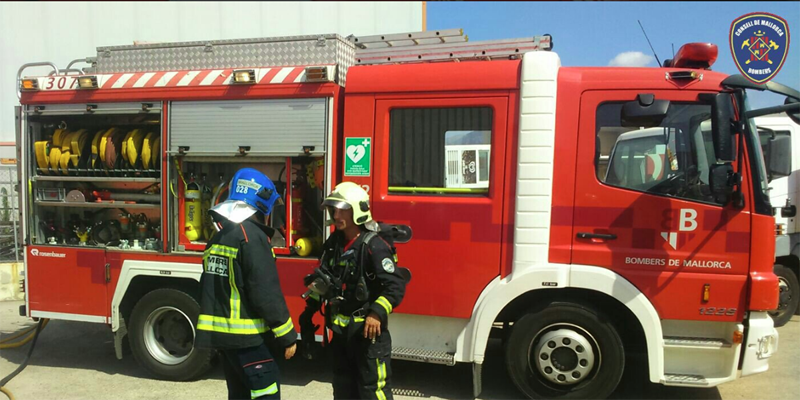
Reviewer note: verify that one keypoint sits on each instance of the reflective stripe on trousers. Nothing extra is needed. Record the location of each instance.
(381, 379)
(272, 389)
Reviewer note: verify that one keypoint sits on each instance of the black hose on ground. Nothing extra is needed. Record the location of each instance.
(24, 364)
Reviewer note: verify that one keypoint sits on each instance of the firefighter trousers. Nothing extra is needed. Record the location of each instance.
(251, 373)
(361, 369)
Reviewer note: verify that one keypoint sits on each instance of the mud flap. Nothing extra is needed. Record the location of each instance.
(119, 335)
(477, 386)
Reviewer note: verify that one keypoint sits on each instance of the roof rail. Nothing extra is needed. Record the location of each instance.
(35, 64)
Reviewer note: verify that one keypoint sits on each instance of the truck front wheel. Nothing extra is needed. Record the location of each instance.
(162, 336)
(565, 351)
(788, 296)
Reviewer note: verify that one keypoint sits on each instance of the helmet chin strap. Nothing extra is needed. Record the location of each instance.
(351, 230)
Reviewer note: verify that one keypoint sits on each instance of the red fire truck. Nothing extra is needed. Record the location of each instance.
(583, 215)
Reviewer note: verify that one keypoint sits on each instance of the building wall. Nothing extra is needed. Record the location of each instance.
(62, 32)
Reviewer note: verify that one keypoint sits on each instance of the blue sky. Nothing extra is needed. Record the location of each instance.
(594, 33)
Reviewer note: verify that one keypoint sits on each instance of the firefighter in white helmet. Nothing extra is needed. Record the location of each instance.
(360, 285)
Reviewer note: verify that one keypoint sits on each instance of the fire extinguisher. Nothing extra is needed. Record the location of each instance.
(299, 229)
(192, 212)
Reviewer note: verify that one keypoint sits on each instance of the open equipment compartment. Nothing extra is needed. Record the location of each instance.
(96, 177)
(283, 138)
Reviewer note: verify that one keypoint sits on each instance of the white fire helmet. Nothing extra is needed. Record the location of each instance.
(348, 195)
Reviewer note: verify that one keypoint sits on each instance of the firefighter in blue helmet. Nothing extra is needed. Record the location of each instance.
(241, 303)
(359, 284)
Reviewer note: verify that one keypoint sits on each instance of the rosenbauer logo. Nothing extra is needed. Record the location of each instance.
(37, 253)
(759, 45)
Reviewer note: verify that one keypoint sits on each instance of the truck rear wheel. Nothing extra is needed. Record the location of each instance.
(162, 336)
(565, 351)
(788, 296)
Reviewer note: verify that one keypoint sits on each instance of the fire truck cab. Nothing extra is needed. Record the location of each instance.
(582, 214)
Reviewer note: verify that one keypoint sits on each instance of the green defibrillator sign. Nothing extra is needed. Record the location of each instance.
(357, 156)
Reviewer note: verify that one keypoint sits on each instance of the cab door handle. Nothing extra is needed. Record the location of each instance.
(604, 236)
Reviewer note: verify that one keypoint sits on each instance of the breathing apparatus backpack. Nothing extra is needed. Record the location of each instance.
(322, 280)
(323, 285)
(390, 234)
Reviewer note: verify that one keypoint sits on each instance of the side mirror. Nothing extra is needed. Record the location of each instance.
(721, 182)
(779, 157)
(722, 127)
(793, 115)
(644, 111)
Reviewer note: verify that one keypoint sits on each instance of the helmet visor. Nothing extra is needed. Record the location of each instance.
(336, 203)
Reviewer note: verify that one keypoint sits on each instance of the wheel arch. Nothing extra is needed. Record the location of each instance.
(790, 261)
(143, 284)
(137, 278)
(509, 298)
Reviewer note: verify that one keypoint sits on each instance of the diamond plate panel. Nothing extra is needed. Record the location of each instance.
(219, 54)
(421, 355)
(685, 379)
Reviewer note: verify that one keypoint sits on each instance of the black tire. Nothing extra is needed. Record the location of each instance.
(788, 297)
(572, 339)
(161, 334)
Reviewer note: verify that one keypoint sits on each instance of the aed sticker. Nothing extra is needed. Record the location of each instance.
(357, 156)
(217, 265)
(388, 265)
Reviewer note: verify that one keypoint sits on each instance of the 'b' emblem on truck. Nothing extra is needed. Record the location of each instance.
(688, 223)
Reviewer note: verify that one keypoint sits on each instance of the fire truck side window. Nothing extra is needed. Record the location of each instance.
(672, 159)
(440, 150)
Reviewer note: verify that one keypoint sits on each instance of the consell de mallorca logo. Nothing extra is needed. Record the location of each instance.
(759, 45)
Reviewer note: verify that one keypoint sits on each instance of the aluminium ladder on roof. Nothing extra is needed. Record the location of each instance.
(450, 44)
(409, 39)
(505, 48)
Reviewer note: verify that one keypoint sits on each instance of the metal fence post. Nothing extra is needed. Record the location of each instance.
(8, 214)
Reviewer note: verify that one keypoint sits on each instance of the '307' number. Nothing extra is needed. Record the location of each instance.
(721, 311)
(61, 82)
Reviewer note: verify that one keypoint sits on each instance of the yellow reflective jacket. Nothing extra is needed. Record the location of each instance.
(241, 299)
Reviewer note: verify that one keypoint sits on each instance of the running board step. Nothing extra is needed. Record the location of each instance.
(684, 380)
(709, 343)
(426, 356)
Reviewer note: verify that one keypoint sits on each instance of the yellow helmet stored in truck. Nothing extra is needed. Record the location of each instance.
(348, 195)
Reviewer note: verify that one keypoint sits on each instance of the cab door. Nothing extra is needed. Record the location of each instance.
(439, 168)
(643, 207)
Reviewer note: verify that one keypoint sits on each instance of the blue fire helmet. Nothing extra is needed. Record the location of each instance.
(254, 188)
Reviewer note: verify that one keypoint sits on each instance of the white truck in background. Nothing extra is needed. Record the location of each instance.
(785, 196)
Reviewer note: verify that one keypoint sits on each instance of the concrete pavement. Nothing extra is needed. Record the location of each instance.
(74, 360)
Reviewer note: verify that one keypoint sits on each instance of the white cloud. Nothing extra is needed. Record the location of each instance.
(631, 59)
